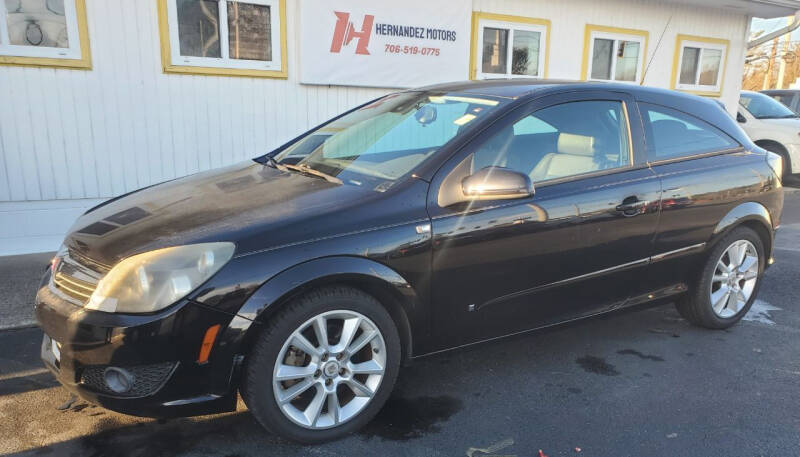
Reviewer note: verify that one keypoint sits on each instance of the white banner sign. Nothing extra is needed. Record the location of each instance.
(384, 44)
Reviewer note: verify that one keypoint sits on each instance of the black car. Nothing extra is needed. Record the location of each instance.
(420, 222)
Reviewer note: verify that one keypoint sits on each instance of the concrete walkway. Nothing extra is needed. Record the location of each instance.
(19, 279)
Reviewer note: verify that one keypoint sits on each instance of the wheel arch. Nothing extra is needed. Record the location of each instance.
(753, 215)
(393, 291)
(777, 147)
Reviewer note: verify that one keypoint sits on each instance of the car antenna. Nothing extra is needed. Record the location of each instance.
(644, 74)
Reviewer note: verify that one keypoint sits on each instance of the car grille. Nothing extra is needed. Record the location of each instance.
(147, 379)
(75, 288)
(76, 277)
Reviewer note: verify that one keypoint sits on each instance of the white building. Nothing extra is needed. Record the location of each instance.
(102, 97)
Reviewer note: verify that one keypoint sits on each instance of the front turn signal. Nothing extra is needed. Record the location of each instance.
(208, 342)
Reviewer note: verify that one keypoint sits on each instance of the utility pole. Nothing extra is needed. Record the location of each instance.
(767, 76)
(782, 70)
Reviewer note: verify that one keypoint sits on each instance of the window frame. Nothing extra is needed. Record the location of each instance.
(649, 136)
(173, 62)
(683, 41)
(617, 34)
(481, 20)
(77, 56)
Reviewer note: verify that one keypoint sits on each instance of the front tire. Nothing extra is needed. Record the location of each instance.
(323, 366)
(729, 281)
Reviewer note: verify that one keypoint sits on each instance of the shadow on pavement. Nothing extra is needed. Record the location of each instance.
(26, 381)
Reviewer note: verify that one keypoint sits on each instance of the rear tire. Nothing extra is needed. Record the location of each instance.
(338, 386)
(728, 283)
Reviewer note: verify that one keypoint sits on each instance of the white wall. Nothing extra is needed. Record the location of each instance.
(569, 19)
(69, 138)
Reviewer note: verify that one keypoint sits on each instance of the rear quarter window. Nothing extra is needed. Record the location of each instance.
(673, 134)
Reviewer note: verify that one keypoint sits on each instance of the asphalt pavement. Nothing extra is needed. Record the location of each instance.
(641, 383)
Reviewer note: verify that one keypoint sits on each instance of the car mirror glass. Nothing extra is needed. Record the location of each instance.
(496, 183)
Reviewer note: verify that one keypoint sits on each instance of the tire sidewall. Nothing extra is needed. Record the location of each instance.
(704, 285)
(258, 390)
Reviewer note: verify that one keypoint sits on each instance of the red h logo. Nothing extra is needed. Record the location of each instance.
(344, 33)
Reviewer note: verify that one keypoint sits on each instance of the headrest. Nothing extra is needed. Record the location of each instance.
(575, 144)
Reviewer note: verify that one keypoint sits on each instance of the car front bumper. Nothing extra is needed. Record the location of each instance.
(159, 350)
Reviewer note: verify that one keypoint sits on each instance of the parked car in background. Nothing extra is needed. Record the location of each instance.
(788, 97)
(773, 126)
(422, 221)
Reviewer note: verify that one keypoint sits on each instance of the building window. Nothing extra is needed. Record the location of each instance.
(224, 37)
(509, 46)
(44, 33)
(699, 64)
(613, 54)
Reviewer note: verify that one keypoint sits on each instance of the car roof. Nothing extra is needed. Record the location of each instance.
(528, 87)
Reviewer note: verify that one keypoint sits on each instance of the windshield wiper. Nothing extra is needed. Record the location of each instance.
(310, 171)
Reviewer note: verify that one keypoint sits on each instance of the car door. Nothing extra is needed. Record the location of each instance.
(705, 173)
(576, 247)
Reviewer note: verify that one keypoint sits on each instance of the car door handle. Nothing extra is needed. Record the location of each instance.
(632, 206)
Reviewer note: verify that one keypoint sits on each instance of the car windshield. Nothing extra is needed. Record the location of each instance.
(380, 143)
(765, 107)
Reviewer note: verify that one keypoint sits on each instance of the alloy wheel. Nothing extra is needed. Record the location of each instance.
(329, 369)
(734, 279)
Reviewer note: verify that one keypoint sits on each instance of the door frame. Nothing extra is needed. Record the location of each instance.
(635, 132)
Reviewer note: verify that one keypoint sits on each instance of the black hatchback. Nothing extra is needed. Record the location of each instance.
(419, 222)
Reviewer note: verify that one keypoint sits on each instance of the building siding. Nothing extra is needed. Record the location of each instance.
(70, 138)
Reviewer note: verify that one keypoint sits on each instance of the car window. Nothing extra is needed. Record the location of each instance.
(561, 140)
(384, 141)
(764, 107)
(410, 134)
(786, 99)
(671, 133)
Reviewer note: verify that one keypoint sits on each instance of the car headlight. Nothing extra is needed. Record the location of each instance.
(153, 280)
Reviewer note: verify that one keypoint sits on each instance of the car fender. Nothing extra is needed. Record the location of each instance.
(743, 213)
(387, 285)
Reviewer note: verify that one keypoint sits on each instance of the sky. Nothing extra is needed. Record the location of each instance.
(769, 25)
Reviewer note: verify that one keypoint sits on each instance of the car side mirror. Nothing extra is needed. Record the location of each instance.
(740, 119)
(496, 183)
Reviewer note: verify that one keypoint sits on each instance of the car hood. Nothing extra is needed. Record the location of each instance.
(783, 123)
(253, 205)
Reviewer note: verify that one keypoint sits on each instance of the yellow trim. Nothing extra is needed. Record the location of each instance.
(84, 63)
(476, 18)
(587, 37)
(166, 52)
(676, 64)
